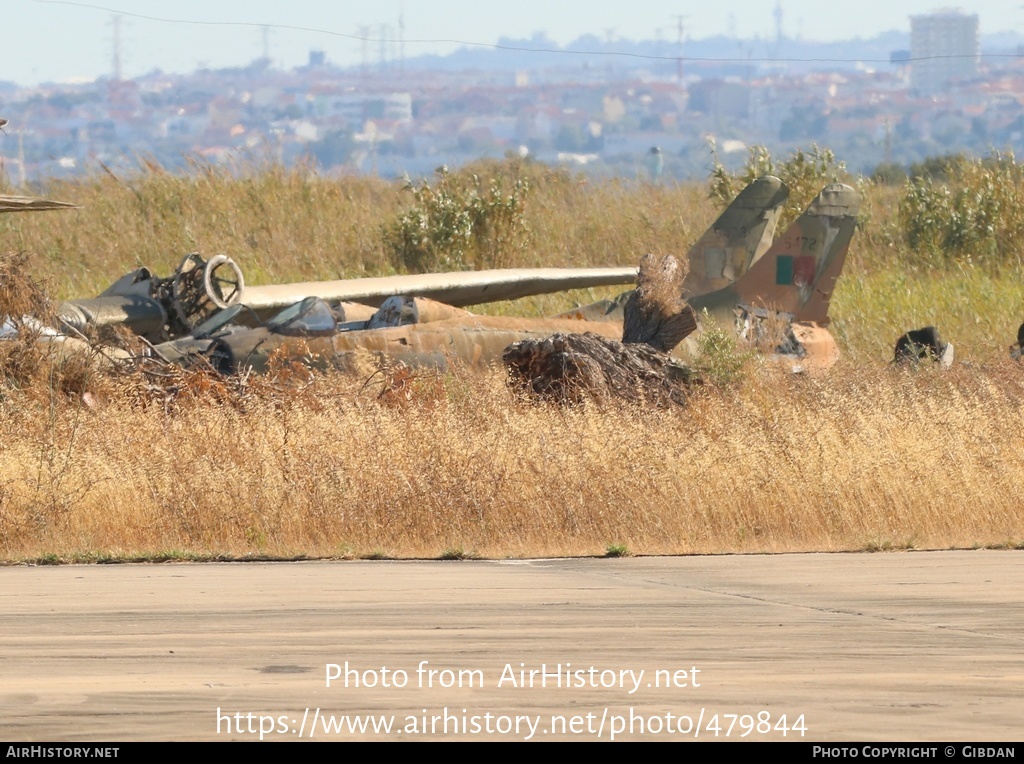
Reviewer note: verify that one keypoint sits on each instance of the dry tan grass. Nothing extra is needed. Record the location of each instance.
(860, 460)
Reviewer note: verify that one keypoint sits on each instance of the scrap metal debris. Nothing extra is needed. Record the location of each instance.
(923, 346)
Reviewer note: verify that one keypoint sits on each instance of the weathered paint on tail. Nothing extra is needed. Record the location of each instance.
(796, 276)
(737, 239)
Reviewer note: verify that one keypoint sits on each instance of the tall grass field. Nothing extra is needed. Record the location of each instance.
(97, 467)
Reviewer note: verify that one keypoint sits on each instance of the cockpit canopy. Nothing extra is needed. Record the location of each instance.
(312, 317)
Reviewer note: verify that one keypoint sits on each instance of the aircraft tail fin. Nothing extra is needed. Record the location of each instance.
(737, 239)
(797, 275)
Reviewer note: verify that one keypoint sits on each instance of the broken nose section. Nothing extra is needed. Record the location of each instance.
(160, 309)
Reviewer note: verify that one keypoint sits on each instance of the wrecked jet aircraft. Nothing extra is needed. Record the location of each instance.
(738, 276)
(161, 309)
(774, 293)
(421, 330)
(204, 301)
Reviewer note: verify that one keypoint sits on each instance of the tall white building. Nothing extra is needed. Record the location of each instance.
(943, 46)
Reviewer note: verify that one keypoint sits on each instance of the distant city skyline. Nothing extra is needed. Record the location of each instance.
(63, 40)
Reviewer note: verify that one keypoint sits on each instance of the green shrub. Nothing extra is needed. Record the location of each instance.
(889, 174)
(617, 550)
(805, 172)
(938, 168)
(721, 361)
(974, 217)
(459, 223)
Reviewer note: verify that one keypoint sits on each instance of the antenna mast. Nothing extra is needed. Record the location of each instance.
(679, 58)
(401, 38)
(117, 49)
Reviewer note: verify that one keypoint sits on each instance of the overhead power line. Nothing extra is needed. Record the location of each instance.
(382, 40)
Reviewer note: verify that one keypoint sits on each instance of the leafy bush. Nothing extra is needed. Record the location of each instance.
(977, 216)
(889, 174)
(617, 550)
(721, 361)
(937, 168)
(459, 223)
(805, 172)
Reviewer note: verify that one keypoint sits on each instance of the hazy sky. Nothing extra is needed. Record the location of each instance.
(60, 39)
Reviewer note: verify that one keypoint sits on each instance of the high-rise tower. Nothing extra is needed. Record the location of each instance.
(943, 46)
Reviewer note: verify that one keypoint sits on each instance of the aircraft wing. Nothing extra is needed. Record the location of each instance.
(459, 289)
(30, 203)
